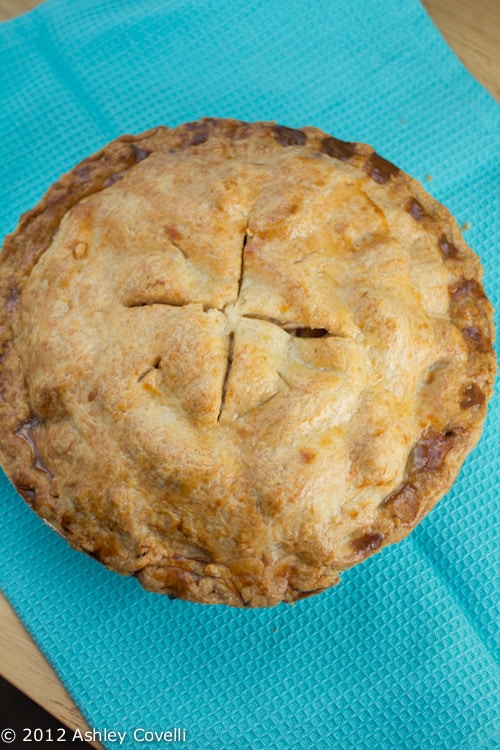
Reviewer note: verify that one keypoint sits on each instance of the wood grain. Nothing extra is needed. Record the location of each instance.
(12, 8)
(23, 664)
(472, 29)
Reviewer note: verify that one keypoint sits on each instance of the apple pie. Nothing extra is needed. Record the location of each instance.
(239, 358)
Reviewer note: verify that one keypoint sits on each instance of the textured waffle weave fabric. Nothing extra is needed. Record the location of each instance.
(403, 653)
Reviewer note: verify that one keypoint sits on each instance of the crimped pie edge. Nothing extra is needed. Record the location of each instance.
(439, 454)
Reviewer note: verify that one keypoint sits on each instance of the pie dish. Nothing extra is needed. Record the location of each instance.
(239, 358)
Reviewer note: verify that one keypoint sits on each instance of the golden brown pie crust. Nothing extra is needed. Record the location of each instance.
(236, 359)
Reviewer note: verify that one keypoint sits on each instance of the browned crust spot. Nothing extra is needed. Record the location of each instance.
(289, 136)
(27, 491)
(448, 249)
(337, 149)
(431, 450)
(367, 543)
(403, 504)
(415, 209)
(472, 396)
(198, 133)
(475, 338)
(380, 170)
(464, 288)
(11, 299)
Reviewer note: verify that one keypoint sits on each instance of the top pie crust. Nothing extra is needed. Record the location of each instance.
(236, 359)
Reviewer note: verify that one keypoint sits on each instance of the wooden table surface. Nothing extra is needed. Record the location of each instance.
(472, 28)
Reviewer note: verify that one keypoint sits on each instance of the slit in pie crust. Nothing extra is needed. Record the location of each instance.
(239, 358)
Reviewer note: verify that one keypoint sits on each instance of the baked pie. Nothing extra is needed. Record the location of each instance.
(239, 358)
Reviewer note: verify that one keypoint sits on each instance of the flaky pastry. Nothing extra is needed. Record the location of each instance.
(237, 359)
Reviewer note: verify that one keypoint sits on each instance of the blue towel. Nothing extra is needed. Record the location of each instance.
(404, 653)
